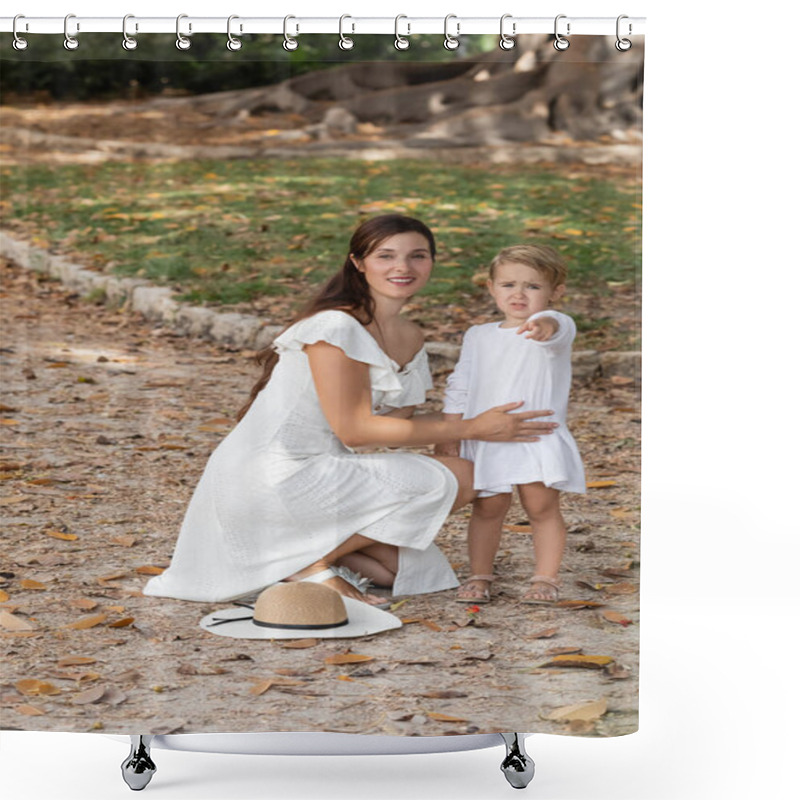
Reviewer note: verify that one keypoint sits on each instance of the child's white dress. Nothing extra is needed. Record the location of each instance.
(281, 490)
(499, 366)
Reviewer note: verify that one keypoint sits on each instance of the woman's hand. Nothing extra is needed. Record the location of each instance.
(499, 424)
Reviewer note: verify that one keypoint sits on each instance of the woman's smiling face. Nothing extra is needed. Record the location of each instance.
(520, 290)
(398, 267)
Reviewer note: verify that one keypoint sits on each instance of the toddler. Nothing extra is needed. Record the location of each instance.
(525, 357)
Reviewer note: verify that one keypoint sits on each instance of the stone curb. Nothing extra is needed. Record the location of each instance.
(244, 331)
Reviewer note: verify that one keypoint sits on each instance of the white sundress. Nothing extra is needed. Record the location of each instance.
(281, 490)
(499, 366)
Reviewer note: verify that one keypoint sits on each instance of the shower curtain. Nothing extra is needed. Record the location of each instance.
(165, 213)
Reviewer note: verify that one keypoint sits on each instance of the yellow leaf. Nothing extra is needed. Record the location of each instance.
(27, 583)
(573, 232)
(31, 687)
(67, 537)
(121, 623)
(3, 596)
(518, 528)
(88, 622)
(9, 422)
(589, 662)
(445, 718)
(149, 570)
(587, 712)
(599, 484)
(348, 658)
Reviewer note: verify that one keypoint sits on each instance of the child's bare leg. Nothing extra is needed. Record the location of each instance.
(541, 504)
(483, 541)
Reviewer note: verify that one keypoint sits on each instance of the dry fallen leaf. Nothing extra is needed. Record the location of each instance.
(12, 623)
(30, 687)
(444, 694)
(125, 541)
(83, 603)
(150, 570)
(586, 662)
(445, 717)
(92, 695)
(578, 604)
(27, 583)
(547, 633)
(88, 622)
(348, 658)
(518, 528)
(585, 712)
(75, 661)
(66, 537)
(600, 484)
(616, 617)
(621, 588)
(4, 596)
(29, 711)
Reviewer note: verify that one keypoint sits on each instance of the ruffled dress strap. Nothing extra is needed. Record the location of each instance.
(345, 332)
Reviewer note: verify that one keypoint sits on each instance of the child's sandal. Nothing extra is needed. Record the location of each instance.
(550, 594)
(474, 595)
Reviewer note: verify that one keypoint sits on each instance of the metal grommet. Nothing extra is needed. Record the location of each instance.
(128, 42)
(233, 44)
(19, 43)
(288, 42)
(560, 43)
(182, 42)
(623, 44)
(345, 42)
(400, 42)
(451, 42)
(507, 42)
(70, 42)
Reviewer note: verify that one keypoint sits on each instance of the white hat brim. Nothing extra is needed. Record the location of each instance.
(362, 620)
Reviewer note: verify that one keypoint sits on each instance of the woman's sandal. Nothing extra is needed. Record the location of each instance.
(547, 597)
(353, 578)
(474, 595)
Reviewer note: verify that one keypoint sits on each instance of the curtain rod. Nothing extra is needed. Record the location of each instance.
(403, 25)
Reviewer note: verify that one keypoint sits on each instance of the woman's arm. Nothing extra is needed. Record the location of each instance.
(344, 393)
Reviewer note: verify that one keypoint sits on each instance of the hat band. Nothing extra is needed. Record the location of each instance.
(301, 627)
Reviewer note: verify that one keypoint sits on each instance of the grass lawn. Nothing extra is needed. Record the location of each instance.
(230, 232)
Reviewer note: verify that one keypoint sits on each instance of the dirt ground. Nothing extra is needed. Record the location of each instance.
(107, 423)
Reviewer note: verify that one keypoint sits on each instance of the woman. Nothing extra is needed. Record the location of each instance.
(283, 497)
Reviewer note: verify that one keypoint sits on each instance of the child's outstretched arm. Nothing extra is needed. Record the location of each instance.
(539, 329)
(550, 328)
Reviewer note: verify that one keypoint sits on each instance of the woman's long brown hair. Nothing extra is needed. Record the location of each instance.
(347, 290)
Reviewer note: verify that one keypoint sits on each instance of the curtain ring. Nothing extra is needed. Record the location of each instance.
(182, 42)
(560, 43)
(451, 42)
(233, 43)
(70, 42)
(345, 42)
(128, 42)
(19, 43)
(507, 42)
(289, 43)
(400, 42)
(623, 44)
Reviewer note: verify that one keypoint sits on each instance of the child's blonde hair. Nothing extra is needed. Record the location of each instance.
(539, 256)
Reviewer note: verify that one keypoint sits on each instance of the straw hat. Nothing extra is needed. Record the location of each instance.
(300, 610)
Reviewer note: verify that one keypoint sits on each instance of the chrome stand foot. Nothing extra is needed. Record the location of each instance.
(138, 768)
(517, 766)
